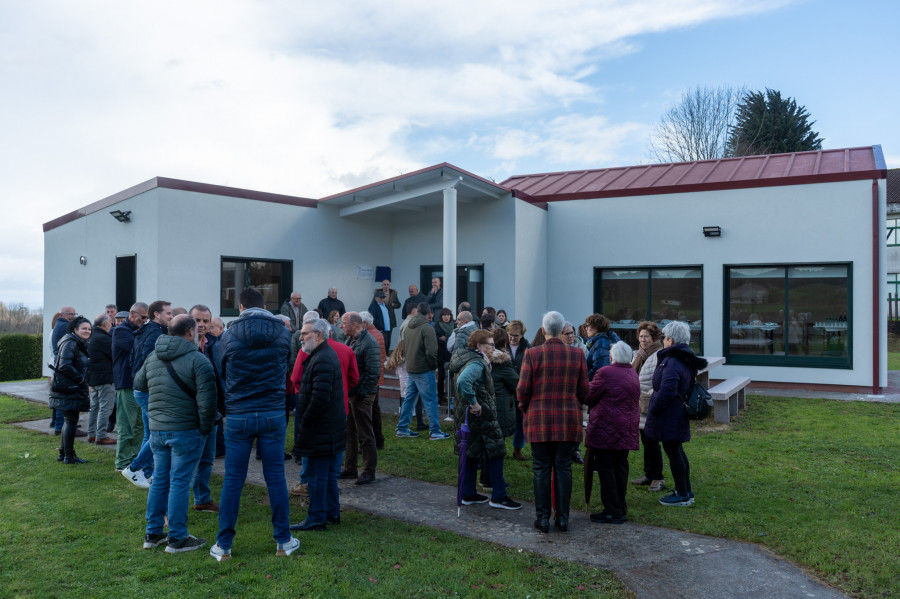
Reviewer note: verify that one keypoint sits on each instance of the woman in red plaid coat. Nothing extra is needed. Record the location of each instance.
(552, 386)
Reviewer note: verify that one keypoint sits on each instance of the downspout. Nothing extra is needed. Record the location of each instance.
(876, 292)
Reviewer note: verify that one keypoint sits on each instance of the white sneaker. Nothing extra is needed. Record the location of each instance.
(288, 548)
(136, 478)
(223, 554)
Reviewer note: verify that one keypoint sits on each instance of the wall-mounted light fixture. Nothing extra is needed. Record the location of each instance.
(123, 216)
(82, 260)
(712, 231)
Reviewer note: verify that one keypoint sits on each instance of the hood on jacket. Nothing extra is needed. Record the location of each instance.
(462, 357)
(500, 357)
(418, 321)
(256, 328)
(168, 347)
(684, 354)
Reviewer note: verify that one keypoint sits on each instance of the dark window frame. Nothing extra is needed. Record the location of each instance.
(598, 289)
(785, 361)
(287, 279)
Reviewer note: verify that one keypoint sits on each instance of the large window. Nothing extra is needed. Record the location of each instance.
(629, 295)
(273, 278)
(788, 315)
(893, 225)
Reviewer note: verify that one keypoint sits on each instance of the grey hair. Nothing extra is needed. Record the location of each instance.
(367, 317)
(101, 320)
(553, 323)
(113, 306)
(280, 317)
(465, 316)
(568, 324)
(677, 331)
(620, 353)
(310, 316)
(322, 327)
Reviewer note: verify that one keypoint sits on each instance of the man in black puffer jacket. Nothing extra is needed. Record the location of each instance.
(323, 425)
(252, 357)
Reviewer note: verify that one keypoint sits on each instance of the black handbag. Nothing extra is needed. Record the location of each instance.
(698, 401)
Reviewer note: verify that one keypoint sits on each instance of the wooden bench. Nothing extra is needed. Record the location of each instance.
(728, 398)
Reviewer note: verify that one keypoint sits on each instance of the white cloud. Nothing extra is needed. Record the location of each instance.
(304, 98)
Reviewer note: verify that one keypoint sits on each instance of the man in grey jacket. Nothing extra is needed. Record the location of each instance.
(360, 432)
(181, 385)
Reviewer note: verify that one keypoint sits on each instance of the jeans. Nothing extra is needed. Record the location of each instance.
(422, 383)
(653, 462)
(130, 427)
(176, 454)
(103, 398)
(144, 459)
(612, 468)
(548, 459)
(202, 493)
(495, 472)
(360, 435)
(324, 499)
(681, 468)
(519, 433)
(57, 419)
(268, 429)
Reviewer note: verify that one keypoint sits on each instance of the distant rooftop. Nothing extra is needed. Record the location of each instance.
(770, 170)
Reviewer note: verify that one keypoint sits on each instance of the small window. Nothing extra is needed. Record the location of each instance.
(629, 295)
(273, 278)
(893, 224)
(788, 315)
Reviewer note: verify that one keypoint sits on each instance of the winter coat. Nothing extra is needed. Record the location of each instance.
(505, 379)
(368, 363)
(614, 411)
(327, 305)
(520, 354)
(675, 371)
(99, 348)
(379, 339)
(646, 379)
(59, 331)
(415, 300)
(474, 383)
(70, 372)
(420, 346)
(435, 299)
(170, 408)
(552, 386)
(598, 351)
(320, 406)
(349, 370)
(461, 337)
(122, 344)
(378, 316)
(287, 309)
(252, 358)
(144, 343)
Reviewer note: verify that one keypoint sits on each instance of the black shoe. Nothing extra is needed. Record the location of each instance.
(423, 427)
(347, 475)
(604, 518)
(288, 457)
(542, 525)
(576, 457)
(61, 456)
(560, 526)
(333, 521)
(188, 543)
(73, 459)
(365, 478)
(57, 432)
(258, 458)
(379, 445)
(151, 541)
(307, 526)
(473, 499)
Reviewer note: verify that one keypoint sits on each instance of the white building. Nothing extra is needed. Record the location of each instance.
(776, 261)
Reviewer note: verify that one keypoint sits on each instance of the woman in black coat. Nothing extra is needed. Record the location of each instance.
(69, 388)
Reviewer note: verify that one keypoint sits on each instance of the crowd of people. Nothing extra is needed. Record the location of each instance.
(182, 388)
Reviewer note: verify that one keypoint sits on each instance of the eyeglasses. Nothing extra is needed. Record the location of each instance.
(511, 337)
(569, 333)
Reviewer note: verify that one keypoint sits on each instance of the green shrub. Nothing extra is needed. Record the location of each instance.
(20, 356)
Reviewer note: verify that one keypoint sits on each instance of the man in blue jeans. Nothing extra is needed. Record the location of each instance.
(420, 347)
(181, 386)
(252, 356)
(203, 501)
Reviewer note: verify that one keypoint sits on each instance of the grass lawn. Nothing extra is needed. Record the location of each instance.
(76, 531)
(893, 360)
(813, 480)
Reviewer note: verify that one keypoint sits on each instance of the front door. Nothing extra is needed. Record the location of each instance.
(469, 284)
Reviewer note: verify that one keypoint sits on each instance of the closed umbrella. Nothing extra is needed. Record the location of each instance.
(463, 444)
(589, 468)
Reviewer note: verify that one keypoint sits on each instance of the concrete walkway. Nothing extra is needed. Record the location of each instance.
(653, 562)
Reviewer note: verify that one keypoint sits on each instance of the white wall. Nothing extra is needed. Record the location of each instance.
(531, 266)
(829, 222)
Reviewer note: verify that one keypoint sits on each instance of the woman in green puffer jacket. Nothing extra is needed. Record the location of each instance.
(475, 395)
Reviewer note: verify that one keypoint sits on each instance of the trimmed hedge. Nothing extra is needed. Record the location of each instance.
(20, 356)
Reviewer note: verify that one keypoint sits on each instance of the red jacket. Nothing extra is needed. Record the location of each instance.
(349, 371)
(552, 386)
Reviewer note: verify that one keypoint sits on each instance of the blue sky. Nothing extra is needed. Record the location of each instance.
(302, 98)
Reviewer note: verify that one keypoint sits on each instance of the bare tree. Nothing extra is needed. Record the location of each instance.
(697, 127)
(17, 318)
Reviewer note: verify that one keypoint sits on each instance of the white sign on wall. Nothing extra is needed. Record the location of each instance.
(365, 272)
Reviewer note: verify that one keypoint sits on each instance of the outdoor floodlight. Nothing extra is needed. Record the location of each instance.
(712, 231)
(82, 260)
(123, 216)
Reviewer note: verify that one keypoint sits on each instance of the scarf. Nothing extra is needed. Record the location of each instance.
(643, 354)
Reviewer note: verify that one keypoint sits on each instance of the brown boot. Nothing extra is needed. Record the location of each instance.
(517, 454)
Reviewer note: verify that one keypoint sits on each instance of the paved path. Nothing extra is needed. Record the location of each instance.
(653, 562)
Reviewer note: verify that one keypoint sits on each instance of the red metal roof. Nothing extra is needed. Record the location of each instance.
(769, 170)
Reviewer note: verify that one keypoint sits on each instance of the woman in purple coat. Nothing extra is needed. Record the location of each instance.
(612, 430)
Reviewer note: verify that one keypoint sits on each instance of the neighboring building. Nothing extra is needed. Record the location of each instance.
(892, 257)
(776, 261)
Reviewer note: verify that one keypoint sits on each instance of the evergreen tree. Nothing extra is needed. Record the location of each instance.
(769, 124)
